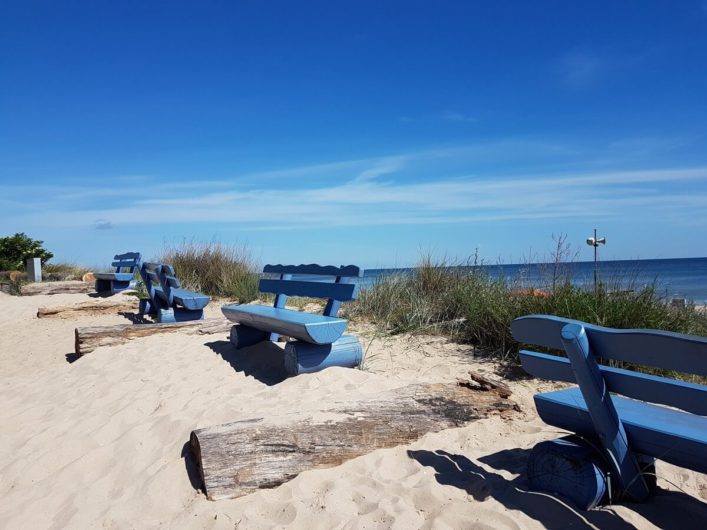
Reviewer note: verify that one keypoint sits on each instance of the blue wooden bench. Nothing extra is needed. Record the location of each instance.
(168, 302)
(319, 341)
(618, 413)
(114, 282)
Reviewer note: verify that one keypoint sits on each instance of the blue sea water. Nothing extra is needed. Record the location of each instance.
(680, 277)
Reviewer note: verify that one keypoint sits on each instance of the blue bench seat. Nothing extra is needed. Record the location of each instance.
(114, 276)
(668, 434)
(312, 328)
(185, 298)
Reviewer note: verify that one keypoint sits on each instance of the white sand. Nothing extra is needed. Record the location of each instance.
(99, 443)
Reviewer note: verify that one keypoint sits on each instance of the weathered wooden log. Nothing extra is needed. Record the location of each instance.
(487, 383)
(89, 338)
(238, 458)
(66, 287)
(89, 307)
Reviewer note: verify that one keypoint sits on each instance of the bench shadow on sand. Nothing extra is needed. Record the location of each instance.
(456, 470)
(135, 318)
(264, 361)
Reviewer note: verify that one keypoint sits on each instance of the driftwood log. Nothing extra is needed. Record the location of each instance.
(91, 337)
(238, 458)
(90, 307)
(487, 383)
(66, 287)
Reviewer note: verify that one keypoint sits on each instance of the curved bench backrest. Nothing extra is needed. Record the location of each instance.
(306, 280)
(128, 261)
(159, 278)
(658, 349)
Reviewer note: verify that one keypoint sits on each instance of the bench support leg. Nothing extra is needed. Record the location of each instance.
(607, 424)
(303, 357)
(103, 286)
(145, 307)
(179, 314)
(569, 468)
(119, 286)
(111, 286)
(244, 336)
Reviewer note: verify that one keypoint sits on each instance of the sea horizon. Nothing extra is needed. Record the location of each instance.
(673, 277)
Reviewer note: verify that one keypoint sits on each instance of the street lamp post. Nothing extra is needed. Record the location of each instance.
(595, 242)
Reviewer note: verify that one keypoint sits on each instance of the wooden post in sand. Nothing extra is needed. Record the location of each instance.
(238, 458)
(34, 269)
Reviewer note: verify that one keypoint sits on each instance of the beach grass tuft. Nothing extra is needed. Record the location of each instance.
(63, 271)
(218, 269)
(467, 304)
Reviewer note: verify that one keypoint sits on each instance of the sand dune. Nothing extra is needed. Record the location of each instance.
(101, 442)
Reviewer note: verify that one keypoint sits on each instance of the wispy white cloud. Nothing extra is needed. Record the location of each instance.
(366, 200)
(444, 185)
(384, 166)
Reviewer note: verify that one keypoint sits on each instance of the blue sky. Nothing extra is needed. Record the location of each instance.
(355, 132)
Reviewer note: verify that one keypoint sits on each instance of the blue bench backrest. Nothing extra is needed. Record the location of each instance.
(658, 349)
(128, 261)
(341, 290)
(159, 278)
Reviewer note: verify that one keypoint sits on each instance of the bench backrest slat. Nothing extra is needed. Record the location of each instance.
(159, 278)
(315, 270)
(129, 260)
(335, 291)
(312, 281)
(659, 349)
(680, 394)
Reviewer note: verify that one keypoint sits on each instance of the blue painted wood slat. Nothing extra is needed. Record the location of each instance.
(690, 397)
(119, 276)
(315, 270)
(602, 412)
(337, 291)
(280, 302)
(127, 256)
(316, 329)
(168, 301)
(118, 280)
(659, 349)
(671, 435)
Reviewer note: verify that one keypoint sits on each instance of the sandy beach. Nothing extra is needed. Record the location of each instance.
(102, 442)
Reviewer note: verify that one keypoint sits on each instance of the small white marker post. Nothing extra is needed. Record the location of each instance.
(34, 269)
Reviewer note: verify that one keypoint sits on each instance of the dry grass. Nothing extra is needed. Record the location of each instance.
(214, 268)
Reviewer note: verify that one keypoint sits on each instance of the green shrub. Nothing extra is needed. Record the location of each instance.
(16, 250)
(215, 268)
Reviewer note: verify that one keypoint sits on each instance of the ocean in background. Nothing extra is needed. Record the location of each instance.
(680, 277)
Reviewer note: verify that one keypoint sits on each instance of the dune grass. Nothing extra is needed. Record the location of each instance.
(218, 269)
(63, 271)
(466, 304)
